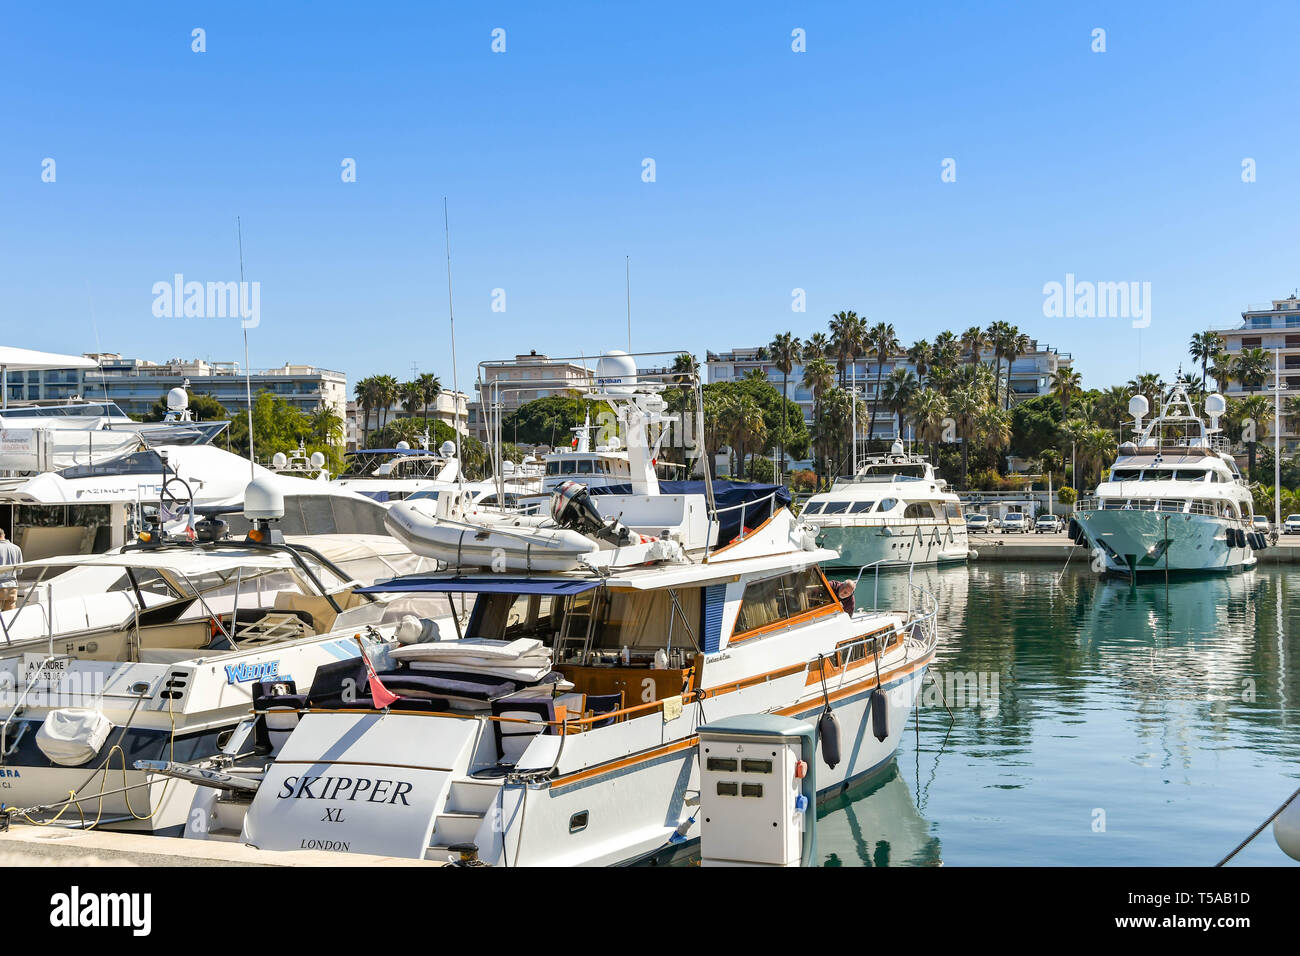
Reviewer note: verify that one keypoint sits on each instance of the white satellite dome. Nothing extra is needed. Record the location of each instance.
(403, 446)
(317, 460)
(178, 400)
(447, 449)
(616, 372)
(897, 447)
(1215, 405)
(263, 500)
(1138, 406)
(279, 460)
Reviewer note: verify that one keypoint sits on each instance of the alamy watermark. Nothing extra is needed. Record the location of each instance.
(1074, 299)
(208, 300)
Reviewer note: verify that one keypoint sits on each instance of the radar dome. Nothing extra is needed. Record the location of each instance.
(1138, 406)
(263, 500)
(616, 372)
(317, 460)
(1215, 405)
(279, 460)
(447, 449)
(897, 447)
(177, 400)
(403, 446)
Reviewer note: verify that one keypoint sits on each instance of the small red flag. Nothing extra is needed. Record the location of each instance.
(381, 695)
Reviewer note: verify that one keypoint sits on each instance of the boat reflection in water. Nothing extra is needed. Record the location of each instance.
(876, 824)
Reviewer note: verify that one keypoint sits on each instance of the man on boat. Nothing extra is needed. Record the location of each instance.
(10, 553)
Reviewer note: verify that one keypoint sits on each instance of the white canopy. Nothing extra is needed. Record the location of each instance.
(16, 358)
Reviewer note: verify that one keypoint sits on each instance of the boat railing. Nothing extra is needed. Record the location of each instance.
(1194, 506)
(769, 500)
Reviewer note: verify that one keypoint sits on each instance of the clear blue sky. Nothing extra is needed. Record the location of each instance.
(775, 170)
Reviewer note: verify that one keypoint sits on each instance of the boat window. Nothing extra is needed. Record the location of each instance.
(552, 467)
(888, 504)
(813, 507)
(836, 507)
(1124, 474)
(584, 467)
(919, 509)
(1188, 475)
(772, 600)
(568, 467)
(952, 509)
(861, 507)
(1158, 474)
(136, 463)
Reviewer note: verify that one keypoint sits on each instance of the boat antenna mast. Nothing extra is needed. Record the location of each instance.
(455, 380)
(248, 373)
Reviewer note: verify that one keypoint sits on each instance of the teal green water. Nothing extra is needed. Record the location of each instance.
(1127, 728)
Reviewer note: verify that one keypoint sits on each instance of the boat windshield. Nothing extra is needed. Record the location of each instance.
(137, 463)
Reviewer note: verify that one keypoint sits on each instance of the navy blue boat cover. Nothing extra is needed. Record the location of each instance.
(728, 495)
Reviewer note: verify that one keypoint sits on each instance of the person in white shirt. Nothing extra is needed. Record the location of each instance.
(10, 553)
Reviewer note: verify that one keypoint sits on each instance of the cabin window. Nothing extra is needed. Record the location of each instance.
(552, 467)
(861, 507)
(836, 507)
(584, 467)
(952, 509)
(813, 508)
(772, 600)
(1124, 474)
(1190, 475)
(1158, 474)
(919, 509)
(567, 467)
(888, 504)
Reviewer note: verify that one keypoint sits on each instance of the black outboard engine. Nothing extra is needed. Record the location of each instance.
(572, 507)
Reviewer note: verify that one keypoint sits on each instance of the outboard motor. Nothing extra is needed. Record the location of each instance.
(572, 507)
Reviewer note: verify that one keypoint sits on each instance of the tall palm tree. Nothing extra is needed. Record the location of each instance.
(1097, 445)
(929, 411)
(993, 426)
(1017, 344)
(818, 378)
(845, 328)
(1223, 371)
(921, 354)
(899, 390)
(817, 346)
(882, 342)
(1253, 368)
(326, 424)
(1149, 386)
(430, 389)
(367, 393)
(1066, 383)
(387, 392)
(965, 405)
(974, 341)
(410, 394)
(1205, 347)
(786, 350)
(1259, 410)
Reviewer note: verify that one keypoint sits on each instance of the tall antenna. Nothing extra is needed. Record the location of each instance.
(627, 262)
(455, 380)
(248, 373)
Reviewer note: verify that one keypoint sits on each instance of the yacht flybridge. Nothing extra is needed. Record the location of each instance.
(558, 726)
(893, 511)
(1174, 499)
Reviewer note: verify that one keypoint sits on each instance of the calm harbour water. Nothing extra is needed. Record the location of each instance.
(1127, 727)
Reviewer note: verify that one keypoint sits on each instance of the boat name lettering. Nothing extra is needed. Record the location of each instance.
(345, 788)
(243, 672)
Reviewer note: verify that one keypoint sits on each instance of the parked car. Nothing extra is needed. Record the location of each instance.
(1260, 523)
(1048, 524)
(1015, 522)
(1291, 525)
(977, 523)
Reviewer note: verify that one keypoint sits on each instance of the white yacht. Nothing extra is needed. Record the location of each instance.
(561, 726)
(162, 657)
(892, 512)
(394, 474)
(1173, 500)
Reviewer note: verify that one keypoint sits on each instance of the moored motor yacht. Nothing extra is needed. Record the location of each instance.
(894, 511)
(1173, 500)
(559, 726)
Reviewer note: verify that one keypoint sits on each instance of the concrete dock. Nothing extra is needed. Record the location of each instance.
(995, 546)
(54, 846)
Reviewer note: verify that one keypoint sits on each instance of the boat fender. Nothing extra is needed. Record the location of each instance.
(1074, 531)
(879, 714)
(1286, 828)
(828, 730)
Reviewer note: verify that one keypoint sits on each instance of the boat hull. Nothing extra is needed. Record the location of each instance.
(1132, 541)
(861, 545)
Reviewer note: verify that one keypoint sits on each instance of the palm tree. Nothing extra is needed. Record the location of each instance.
(367, 398)
(744, 429)
(1066, 383)
(326, 424)
(387, 392)
(818, 377)
(410, 394)
(1150, 387)
(430, 389)
(974, 341)
(1051, 460)
(993, 426)
(786, 349)
(929, 411)
(845, 331)
(899, 390)
(685, 368)
(965, 405)
(1223, 371)
(1017, 344)
(1253, 368)
(817, 346)
(1258, 409)
(921, 354)
(1205, 347)
(1097, 446)
(882, 343)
